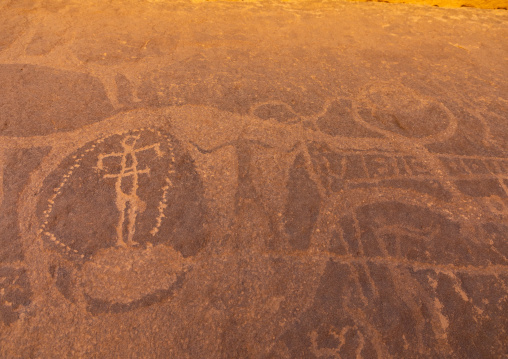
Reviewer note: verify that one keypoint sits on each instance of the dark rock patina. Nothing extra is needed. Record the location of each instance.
(226, 180)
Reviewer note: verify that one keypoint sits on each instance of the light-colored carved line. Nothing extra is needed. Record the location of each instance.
(502, 184)
(398, 153)
(326, 163)
(364, 166)
(361, 251)
(361, 344)
(464, 166)
(471, 157)
(362, 320)
(494, 167)
(162, 206)
(406, 165)
(58, 189)
(163, 202)
(340, 232)
(425, 178)
(53, 238)
(13, 286)
(457, 286)
(355, 272)
(480, 176)
(394, 164)
(123, 199)
(13, 265)
(443, 320)
(356, 152)
(2, 165)
(318, 351)
(358, 234)
(423, 233)
(494, 269)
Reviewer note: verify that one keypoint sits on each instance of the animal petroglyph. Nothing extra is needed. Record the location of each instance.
(373, 210)
(178, 181)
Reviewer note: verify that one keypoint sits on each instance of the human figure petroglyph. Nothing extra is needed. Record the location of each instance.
(128, 185)
(330, 159)
(142, 164)
(128, 201)
(377, 163)
(227, 300)
(350, 164)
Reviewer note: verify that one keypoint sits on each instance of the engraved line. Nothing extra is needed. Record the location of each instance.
(58, 189)
(162, 206)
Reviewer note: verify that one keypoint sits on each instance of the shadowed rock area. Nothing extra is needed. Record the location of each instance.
(252, 180)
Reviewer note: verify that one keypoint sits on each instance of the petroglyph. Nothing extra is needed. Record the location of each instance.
(126, 186)
(390, 232)
(15, 293)
(335, 341)
(170, 190)
(360, 208)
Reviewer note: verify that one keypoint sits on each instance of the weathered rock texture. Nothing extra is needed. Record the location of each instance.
(480, 4)
(227, 180)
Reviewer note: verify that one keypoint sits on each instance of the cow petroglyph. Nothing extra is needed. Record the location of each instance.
(380, 209)
(257, 180)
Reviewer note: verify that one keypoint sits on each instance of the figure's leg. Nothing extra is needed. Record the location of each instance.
(119, 228)
(132, 213)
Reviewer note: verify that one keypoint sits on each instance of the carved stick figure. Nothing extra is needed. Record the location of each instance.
(127, 201)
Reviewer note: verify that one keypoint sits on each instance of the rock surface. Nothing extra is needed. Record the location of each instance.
(253, 180)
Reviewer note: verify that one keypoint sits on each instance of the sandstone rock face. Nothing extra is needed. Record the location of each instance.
(194, 181)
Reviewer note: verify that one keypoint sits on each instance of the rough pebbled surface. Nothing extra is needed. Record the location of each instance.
(247, 180)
